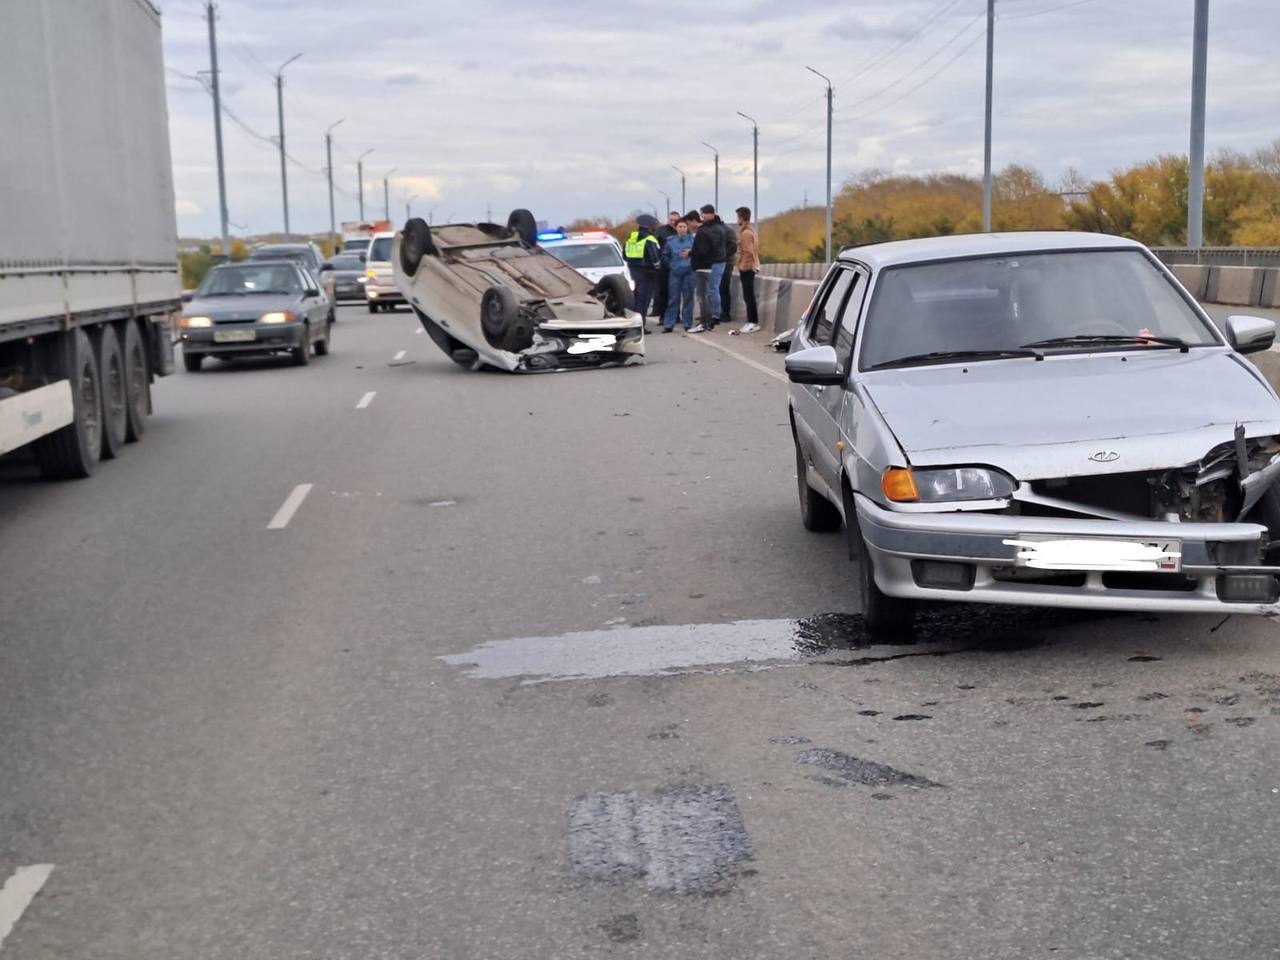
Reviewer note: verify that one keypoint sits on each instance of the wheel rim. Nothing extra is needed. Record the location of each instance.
(91, 414)
(136, 374)
(117, 390)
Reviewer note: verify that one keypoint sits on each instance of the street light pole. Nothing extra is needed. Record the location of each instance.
(328, 152)
(986, 137)
(408, 214)
(284, 173)
(217, 130)
(1199, 60)
(667, 198)
(716, 201)
(828, 80)
(386, 194)
(683, 207)
(360, 177)
(755, 172)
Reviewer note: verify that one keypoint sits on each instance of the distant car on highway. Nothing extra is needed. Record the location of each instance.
(594, 254)
(379, 282)
(348, 272)
(254, 308)
(491, 296)
(1043, 419)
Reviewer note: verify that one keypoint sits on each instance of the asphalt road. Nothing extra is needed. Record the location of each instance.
(231, 741)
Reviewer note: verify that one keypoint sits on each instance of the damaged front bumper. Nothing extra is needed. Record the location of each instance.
(1134, 565)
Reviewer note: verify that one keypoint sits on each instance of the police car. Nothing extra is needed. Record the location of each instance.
(594, 254)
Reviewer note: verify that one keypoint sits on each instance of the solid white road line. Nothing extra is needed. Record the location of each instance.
(289, 507)
(18, 892)
(400, 355)
(366, 399)
(702, 339)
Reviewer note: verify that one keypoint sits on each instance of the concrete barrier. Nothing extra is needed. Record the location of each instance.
(1241, 286)
(779, 301)
(1192, 276)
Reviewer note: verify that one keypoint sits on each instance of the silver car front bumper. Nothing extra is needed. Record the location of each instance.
(976, 544)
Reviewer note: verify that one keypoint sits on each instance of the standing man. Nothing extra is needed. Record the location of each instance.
(730, 256)
(708, 265)
(662, 284)
(643, 256)
(748, 264)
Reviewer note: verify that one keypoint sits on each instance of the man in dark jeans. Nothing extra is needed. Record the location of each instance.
(662, 284)
(730, 256)
(748, 264)
(708, 264)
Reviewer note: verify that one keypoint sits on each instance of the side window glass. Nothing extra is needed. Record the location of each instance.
(847, 326)
(829, 310)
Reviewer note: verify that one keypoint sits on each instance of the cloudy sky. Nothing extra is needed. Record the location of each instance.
(579, 107)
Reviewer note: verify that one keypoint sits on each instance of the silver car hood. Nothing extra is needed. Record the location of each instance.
(1073, 415)
(248, 306)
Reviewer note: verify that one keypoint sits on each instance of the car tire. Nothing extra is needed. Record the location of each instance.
(302, 355)
(415, 243)
(615, 293)
(322, 347)
(115, 392)
(522, 224)
(137, 381)
(464, 357)
(373, 307)
(882, 615)
(817, 513)
(501, 322)
(192, 361)
(74, 450)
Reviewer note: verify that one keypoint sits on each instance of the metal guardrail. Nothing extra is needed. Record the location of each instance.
(1221, 256)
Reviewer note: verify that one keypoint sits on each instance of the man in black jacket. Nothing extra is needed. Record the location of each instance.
(708, 265)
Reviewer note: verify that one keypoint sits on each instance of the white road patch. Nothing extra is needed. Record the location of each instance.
(754, 364)
(366, 399)
(289, 507)
(418, 330)
(399, 355)
(18, 892)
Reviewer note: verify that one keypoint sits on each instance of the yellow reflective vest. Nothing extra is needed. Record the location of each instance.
(634, 248)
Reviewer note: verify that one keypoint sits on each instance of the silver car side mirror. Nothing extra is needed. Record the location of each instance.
(1250, 334)
(815, 365)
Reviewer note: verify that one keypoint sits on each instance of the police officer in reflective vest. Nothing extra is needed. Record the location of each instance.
(644, 257)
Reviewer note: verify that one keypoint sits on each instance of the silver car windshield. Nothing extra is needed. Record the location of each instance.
(1106, 299)
(380, 249)
(250, 279)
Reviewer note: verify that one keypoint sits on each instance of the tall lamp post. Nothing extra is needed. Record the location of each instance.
(328, 152)
(386, 194)
(828, 81)
(667, 198)
(284, 174)
(683, 207)
(716, 201)
(360, 177)
(755, 171)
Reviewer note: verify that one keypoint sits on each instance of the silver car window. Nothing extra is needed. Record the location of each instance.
(828, 312)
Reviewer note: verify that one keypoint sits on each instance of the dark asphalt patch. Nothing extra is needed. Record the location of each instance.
(913, 716)
(1089, 705)
(846, 771)
(682, 840)
(623, 928)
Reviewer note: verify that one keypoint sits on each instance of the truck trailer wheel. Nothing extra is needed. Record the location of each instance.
(74, 450)
(115, 395)
(137, 381)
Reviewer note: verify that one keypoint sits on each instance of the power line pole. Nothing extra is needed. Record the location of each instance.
(716, 201)
(986, 138)
(683, 206)
(829, 112)
(284, 174)
(217, 130)
(755, 172)
(386, 195)
(1199, 63)
(360, 177)
(328, 151)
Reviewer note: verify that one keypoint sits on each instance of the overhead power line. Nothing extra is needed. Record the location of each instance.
(906, 93)
(1037, 13)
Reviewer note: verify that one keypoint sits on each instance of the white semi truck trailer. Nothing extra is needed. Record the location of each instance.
(88, 241)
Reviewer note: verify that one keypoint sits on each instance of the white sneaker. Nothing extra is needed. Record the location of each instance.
(698, 328)
(749, 328)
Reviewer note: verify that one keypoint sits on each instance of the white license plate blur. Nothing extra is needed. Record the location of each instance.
(1097, 553)
(234, 336)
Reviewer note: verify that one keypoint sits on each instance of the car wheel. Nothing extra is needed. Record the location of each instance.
(615, 293)
(817, 513)
(501, 322)
(135, 375)
(883, 615)
(322, 346)
(373, 307)
(115, 393)
(302, 355)
(464, 357)
(522, 224)
(415, 243)
(192, 361)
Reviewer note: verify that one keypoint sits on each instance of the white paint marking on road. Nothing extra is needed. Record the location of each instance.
(417, 330)
(702, 339)
(18, 892)
(400, 355)
(289, 507)
(366, 399)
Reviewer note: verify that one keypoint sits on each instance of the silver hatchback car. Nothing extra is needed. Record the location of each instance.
(1043, 419)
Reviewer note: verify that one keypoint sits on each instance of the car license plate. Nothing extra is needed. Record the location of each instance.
(234, 336)
(1045, 552)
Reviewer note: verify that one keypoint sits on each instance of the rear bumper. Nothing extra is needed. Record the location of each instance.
(977, 543)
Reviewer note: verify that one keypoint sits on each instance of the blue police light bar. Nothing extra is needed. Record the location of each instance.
(551, 235)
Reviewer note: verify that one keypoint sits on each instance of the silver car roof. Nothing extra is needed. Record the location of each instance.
(893, 253)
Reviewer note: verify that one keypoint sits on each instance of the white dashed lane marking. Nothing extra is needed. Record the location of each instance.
(289, 507)
(366, 399)
(399, 355)
(18, 892)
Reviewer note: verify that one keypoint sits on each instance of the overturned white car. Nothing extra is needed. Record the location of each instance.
(489, 296)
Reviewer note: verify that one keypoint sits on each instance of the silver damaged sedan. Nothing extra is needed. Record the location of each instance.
(1043, 419)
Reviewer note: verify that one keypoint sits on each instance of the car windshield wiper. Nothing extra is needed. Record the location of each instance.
(1120, 338)
(945, 356)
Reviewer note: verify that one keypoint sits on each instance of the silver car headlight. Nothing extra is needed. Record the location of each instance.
(944, 484)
